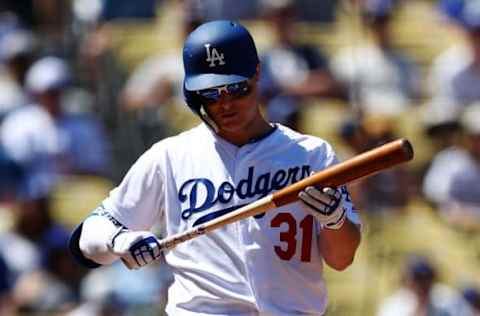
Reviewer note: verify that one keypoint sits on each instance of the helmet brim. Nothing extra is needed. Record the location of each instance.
(206, 81)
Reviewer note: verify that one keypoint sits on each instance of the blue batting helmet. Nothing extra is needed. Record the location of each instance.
(214, 54)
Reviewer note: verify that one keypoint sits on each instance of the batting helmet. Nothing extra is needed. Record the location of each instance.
(214, 54)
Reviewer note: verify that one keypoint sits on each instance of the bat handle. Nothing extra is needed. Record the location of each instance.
(259, 206)
(172, 241)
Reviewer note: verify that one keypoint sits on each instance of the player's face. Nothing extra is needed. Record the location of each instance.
(234, 108)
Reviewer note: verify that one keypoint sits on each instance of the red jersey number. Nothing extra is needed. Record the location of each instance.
(288, 237)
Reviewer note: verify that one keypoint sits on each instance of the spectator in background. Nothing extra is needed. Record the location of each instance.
(462, 205)
(153, 91)
(104, 73)
(292, 71)
(382, 79)
(111, 288)
(47, 142)
(422, 294)
(355, 138)
(17, 52)
(388, 189)
(107, 304)
(21, 8)
(44, 275)
(53, 286)
(226, 9)
(354, 135)
(29, 135)
(125, 9)
(454, 76)
(471, 294)
(442, 128)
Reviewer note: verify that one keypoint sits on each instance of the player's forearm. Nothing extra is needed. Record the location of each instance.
(94, 238)
(338, 247)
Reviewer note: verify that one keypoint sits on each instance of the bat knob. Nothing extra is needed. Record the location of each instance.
(407, 149)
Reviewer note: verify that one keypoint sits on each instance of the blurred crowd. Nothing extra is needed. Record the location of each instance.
(72, 112)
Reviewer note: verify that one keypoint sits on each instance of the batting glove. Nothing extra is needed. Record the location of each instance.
(135, 248)
(325, 204)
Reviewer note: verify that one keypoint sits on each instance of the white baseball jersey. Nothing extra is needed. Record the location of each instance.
(263, 265)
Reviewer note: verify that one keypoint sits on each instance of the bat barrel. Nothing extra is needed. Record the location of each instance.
(367, 163)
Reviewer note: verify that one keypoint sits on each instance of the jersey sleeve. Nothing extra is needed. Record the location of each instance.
(138, 201)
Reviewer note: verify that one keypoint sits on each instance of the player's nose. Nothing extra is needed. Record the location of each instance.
(225, 101)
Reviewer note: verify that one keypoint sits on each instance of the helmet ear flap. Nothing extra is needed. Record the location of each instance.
(194, 103)
(192, 100)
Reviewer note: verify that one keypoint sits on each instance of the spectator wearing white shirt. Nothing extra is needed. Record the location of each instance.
(382, 78)
(462, 205)
(292, 72)
(423, 294)
(44, 140)
(442, 128)
(454, 76)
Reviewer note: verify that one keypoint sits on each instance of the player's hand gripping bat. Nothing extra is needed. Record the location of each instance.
(362, 165)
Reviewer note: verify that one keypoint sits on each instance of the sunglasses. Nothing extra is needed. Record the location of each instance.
(234, 91)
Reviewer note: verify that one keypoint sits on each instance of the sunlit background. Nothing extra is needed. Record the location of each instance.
(87, 85)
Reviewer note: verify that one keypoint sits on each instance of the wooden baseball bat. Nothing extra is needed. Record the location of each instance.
(362, 165)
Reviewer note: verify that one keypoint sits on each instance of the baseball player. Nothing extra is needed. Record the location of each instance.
(270, 264)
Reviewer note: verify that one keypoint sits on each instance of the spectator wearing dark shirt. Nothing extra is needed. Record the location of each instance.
(292, 71)
(462, 206)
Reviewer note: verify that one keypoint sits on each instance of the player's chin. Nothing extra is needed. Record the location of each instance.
(231, 123)
(233, 129)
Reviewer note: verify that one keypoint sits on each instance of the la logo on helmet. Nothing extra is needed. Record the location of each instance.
(213, 56)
